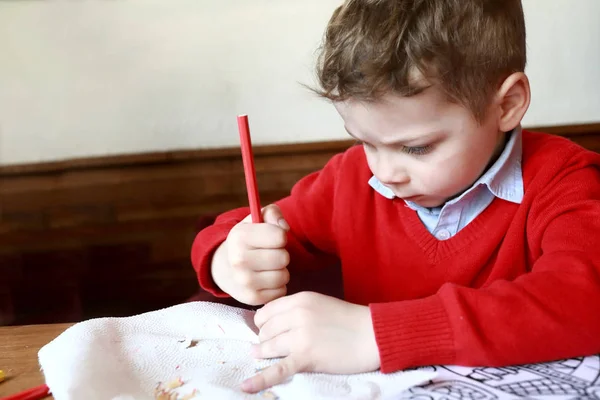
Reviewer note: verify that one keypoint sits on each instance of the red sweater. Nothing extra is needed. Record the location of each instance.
(519, 284)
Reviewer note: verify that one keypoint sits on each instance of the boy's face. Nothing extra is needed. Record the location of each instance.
(424, 148)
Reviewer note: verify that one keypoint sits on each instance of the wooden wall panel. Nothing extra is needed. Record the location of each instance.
(112, 235)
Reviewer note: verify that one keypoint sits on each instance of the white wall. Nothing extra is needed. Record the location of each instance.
(96, 77)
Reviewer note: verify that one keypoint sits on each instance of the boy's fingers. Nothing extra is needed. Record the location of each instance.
(273, 308)
(277, 326)
(273, 375)
(268, 259)
(276, 347)
(248, 219)
(261, 236)
(267, 295)
(261, 297)
(266, 280)
(272, 215)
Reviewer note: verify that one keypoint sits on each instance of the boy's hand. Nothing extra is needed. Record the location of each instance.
(315, 333)
(251, 265)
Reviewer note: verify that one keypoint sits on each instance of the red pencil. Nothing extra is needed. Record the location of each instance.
(35, 393)
(249, 171)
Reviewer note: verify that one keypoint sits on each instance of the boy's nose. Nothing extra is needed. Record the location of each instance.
(393, 177)
(395, 182)
(388, 170)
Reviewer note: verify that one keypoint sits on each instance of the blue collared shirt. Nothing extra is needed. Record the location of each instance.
(503, 180)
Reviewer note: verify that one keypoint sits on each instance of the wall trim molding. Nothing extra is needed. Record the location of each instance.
(228, 153)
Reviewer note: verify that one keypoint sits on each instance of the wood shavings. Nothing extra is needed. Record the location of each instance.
(188, 343)
(191, 395)
(166, 396)
(174, 384)
(267, 394)
(166, 391)
(162, 393)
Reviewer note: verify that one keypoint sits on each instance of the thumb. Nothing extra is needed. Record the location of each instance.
(272, 215)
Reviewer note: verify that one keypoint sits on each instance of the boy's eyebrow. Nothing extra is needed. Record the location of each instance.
(400, 142)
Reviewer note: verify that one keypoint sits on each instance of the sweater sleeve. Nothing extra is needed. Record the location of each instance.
(550, 312)
(309, 212)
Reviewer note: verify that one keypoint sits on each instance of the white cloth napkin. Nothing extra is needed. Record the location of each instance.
(190, 351)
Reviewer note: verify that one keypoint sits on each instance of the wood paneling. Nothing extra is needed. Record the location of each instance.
(112, 235)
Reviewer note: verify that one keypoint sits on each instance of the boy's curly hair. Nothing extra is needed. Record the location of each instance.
(468, 47)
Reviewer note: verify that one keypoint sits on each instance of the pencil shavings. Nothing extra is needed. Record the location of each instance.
(188, 343)
(166, 391)
(269, 395)
(190, 396)
(166, 396)
(174, 384)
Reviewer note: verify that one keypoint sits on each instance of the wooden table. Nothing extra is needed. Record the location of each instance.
(19, 346)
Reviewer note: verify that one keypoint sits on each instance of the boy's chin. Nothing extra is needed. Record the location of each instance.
(424, 201)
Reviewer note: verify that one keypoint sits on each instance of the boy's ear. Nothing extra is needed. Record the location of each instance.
(513, 98)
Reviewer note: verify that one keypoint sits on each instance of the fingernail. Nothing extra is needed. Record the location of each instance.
(282, 223)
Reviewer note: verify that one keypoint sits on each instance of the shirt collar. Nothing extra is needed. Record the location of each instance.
(503, 179)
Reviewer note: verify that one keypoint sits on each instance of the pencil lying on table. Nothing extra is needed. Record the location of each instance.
(36, 393)
(249, 171)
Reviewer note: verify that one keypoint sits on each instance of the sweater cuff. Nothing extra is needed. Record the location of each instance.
(204, 247)
(412, 333)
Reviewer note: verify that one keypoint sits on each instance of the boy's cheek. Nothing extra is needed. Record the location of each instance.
(439, 184)
(431, 180)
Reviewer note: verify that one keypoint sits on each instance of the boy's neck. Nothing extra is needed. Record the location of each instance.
(502, 142)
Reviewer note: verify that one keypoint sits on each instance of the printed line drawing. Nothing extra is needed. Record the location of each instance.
(575, 378)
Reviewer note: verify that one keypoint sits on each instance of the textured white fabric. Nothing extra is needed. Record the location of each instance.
(206, 345)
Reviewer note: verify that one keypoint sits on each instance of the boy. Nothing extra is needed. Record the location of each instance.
(463, 240)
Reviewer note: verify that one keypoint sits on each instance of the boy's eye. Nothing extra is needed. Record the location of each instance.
(418, 151)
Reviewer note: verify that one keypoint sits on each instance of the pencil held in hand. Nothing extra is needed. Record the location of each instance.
(249, 171)
(257, 259)
(253, 266)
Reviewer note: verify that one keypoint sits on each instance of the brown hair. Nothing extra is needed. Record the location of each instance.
(468, 47)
